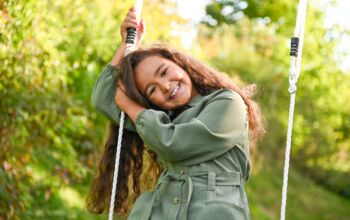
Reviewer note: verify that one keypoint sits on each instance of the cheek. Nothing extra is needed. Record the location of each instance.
(140, 80)
(156, 98)
(188, 80)
(138, 85)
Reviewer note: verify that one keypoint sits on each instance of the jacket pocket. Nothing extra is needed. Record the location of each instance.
(227, 193)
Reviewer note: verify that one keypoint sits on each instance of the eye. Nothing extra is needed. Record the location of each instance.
(164, 72)
(151, 90)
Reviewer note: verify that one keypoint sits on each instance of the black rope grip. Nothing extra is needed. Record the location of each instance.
(131, 35)
(294, 45)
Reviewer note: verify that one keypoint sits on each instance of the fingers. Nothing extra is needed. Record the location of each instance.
(130, 20)
(131, 15)
(142, 28)
(128, 23)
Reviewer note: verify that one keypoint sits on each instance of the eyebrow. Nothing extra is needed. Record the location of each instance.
(155, 74)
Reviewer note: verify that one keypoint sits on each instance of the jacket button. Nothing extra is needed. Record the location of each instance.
(176, 200)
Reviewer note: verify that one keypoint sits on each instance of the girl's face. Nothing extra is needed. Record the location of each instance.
(164, 83)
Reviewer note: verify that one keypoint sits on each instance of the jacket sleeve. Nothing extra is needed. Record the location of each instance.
(219, 127)
(103, 97)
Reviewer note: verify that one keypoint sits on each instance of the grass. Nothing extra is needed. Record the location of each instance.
(305, 199)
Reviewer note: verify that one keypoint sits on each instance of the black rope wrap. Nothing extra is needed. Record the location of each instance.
(294, 45)
(131, 36)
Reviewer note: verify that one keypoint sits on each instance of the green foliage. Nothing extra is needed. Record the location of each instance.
(224, 11)
(221, 12)
(51, 54)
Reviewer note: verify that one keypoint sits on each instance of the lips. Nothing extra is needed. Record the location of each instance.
(176, 89)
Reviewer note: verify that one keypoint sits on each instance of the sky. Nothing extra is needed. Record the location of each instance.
(338, 14)
(193, 10)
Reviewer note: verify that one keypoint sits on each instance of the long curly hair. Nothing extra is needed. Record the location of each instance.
(132, 167)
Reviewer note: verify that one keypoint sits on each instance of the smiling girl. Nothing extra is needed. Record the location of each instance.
(196, 125)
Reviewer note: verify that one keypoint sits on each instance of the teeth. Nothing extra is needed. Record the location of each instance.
(175, 91)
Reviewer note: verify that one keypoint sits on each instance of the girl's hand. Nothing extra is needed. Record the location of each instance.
(131, 21)
(127, 105)
(121, 99)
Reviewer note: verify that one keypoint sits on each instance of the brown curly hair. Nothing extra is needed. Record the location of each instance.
(204, 79)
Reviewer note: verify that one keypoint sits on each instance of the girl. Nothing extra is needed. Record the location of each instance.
(196, 124)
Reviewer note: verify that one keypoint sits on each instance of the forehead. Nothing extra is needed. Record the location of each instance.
(149, 65)
(144, 71)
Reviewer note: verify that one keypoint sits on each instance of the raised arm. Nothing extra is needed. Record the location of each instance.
(103, 97)
(104, 91)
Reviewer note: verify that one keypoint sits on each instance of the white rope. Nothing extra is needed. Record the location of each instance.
(116, 165)
(129, 48)
(295, 64)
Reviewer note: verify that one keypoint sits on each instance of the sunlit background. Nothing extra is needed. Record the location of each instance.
(51, 53)
(336, 14)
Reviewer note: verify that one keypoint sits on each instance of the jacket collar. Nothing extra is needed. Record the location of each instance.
(195, 100)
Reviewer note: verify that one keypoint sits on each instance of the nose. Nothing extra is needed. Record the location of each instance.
(165, 86)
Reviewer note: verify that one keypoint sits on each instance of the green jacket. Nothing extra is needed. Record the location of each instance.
(204, 151)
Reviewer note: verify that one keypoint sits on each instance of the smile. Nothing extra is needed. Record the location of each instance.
(175, 91)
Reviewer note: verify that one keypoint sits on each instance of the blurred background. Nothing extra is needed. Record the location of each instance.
(51, 53)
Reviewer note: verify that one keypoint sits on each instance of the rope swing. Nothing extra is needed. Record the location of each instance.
(130, 46)
(295, 62)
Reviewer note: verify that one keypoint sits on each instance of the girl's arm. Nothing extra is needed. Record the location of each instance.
(103, 97)
(118, 56)
(220, 125)
(104, 91)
